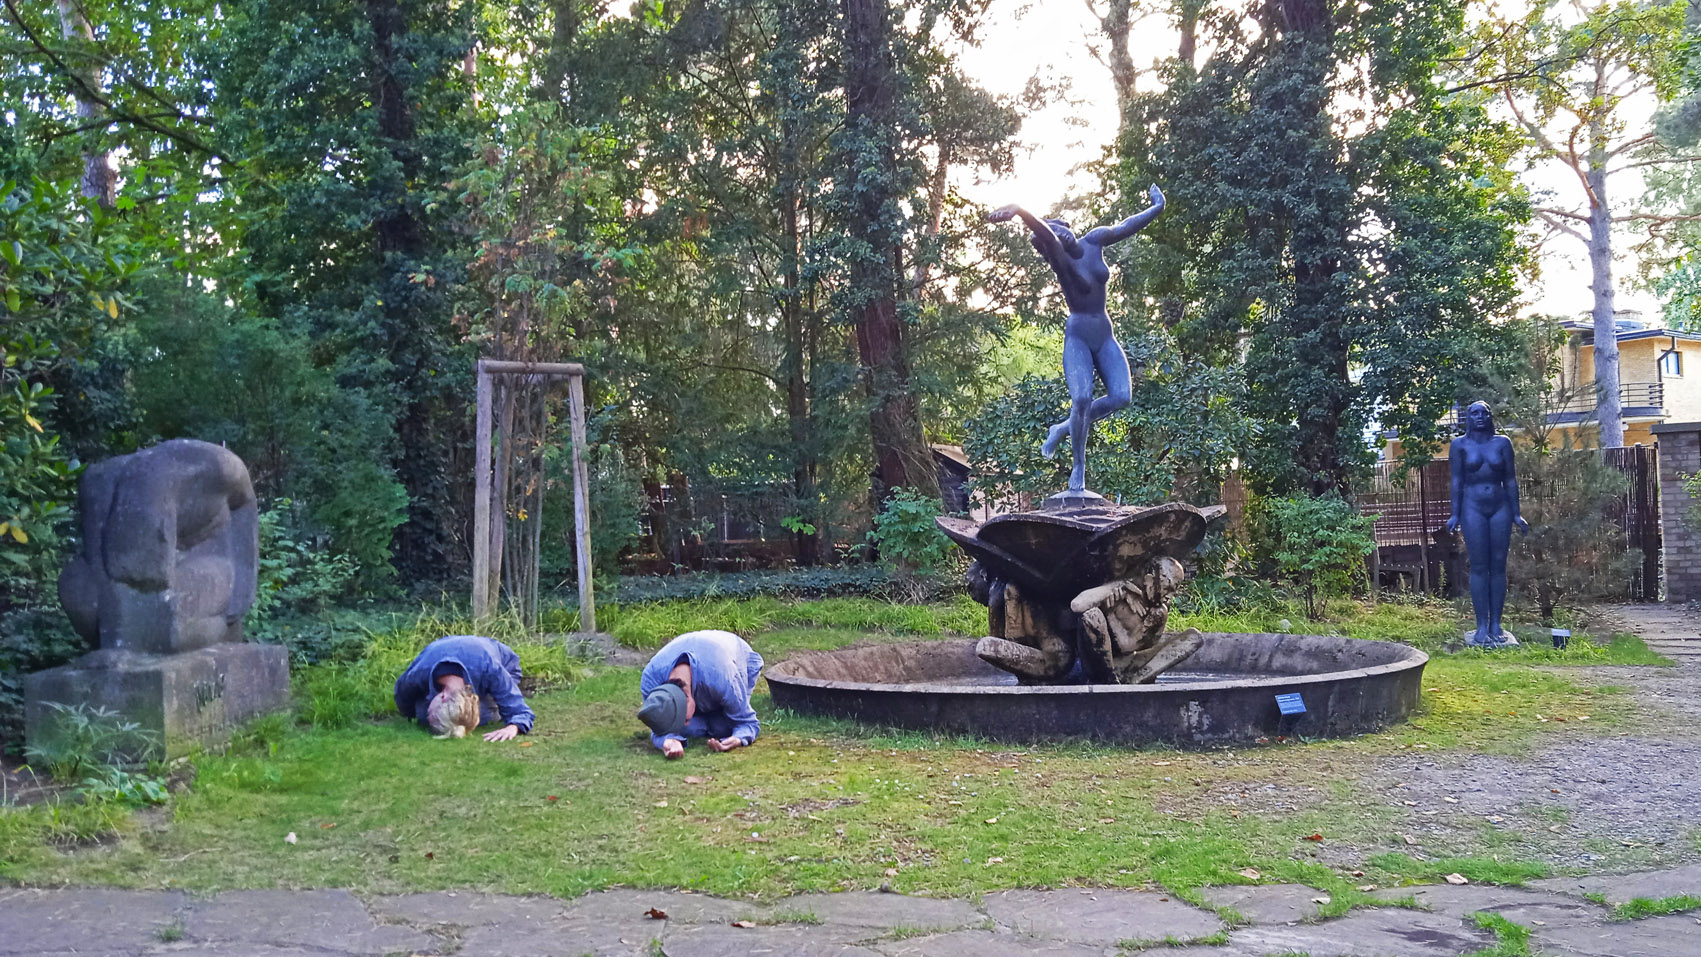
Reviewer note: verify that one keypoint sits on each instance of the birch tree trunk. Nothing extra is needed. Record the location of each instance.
(100, 180)
(1607, 409)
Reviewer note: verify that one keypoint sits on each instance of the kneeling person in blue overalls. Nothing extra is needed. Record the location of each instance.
(462, 681)
(699, 686)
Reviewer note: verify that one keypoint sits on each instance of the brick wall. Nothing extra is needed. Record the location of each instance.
(1680, 455)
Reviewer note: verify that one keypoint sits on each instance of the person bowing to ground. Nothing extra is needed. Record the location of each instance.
(462, 681)
(698, 686)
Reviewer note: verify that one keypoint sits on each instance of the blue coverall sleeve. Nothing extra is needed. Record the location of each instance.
(506, 694)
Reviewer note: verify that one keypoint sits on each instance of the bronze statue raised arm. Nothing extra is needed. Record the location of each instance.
(1089, 342)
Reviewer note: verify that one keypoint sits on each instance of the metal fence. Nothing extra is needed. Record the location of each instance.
(1411, 510)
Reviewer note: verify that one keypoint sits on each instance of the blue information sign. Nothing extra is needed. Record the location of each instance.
(1290, 703)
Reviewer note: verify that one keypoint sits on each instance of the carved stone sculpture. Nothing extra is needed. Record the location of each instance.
(1082, 592)
(170, 550)
(166, 572)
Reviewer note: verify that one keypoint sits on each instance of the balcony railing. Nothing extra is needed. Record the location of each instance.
(1631, 395)
(1634, 398)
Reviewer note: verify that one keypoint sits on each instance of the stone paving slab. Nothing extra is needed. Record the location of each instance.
(722, 940)
(1621, 888)
(562, 938)
(1266, 903)
(228, 949)
(1517, 904)
(1372, 933)
(334, 921)
(986, 943)
(875, 913)
(464, 909)
(89, 920)
(1678, 935)
(1100, 916)
(625, 904)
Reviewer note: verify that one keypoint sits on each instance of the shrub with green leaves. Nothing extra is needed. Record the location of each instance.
(905, 534)
(1319, 545)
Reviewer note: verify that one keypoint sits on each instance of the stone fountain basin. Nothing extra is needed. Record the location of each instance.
(1224, 695)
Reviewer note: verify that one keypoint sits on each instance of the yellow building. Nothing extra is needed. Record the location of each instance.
(1659, 377)
(1659, 380)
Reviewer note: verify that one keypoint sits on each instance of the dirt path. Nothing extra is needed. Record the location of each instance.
(1586, 804)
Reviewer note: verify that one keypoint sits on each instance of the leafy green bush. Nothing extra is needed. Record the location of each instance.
(906, 536)
(1319, 544)
(30, 639)
(295, 577)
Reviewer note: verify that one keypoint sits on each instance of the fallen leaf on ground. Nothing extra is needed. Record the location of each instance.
(431, 855)
(743, 923)
(662, 803)
(1555, 828)
(1314, 837)
(1366, 888)
(994, 860)
(992, 820)
(1162, 764)
(552, 797)
(1456, 879)
(527, 744)
(693, 779)
(1409, 839)
(891, 872)
(1249, 872)
(327, 826)
(656, 914)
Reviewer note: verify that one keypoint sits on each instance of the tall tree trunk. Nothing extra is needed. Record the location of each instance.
(100, 180)
(1115, 24)
(901, 456)
(1606, 332)
(566, 16)
(1187, 23)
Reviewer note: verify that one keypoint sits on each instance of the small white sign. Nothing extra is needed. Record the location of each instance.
(1562, 633)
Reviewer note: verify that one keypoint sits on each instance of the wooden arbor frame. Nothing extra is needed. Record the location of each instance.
(484, 584)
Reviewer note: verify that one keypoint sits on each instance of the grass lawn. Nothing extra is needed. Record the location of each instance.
(585, 802)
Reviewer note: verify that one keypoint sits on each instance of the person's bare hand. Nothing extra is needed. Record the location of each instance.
(674, 748)
(1003, 214)
(502, 734)
(725, 744)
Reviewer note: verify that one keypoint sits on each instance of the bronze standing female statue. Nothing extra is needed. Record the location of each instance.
(1089, 342)
(1485, 504)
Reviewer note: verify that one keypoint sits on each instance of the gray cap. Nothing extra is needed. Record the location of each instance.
(664, 709)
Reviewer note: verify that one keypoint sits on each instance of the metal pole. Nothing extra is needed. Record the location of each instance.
(581, 504)
(481, 500)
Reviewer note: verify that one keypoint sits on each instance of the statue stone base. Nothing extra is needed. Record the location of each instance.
(184, 701)
(1079, 591)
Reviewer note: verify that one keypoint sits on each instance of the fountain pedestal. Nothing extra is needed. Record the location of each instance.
(1079, 591)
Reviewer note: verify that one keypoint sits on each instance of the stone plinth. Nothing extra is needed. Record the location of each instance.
(186, 700)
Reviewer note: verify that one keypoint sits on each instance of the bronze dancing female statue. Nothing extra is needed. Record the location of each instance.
(1485, 504)
(1089, 342)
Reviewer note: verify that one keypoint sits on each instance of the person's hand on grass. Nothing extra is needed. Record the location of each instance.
(675, 748)
(502, 734)
(725, 744)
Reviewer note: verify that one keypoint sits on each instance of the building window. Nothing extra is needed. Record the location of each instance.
(1671, 363)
